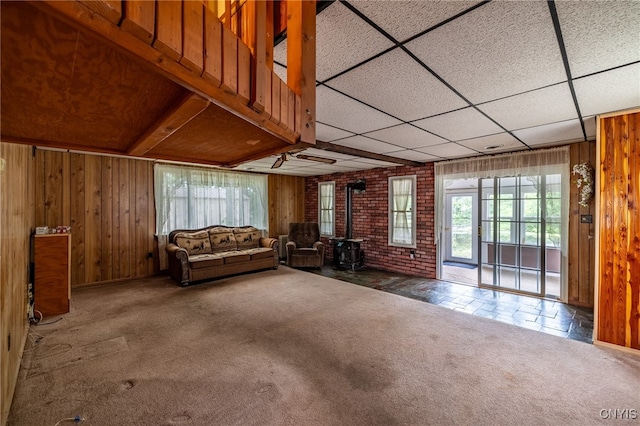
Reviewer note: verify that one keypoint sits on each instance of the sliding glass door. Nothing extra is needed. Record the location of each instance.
(520, 223)
(461, 228)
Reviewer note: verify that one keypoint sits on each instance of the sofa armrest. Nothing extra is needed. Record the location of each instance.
(320, 246)
(275, 245)
(178, 263)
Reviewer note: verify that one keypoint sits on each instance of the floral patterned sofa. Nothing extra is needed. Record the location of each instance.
(216, 251)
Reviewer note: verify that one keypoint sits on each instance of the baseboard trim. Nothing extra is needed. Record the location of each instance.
(616, 347)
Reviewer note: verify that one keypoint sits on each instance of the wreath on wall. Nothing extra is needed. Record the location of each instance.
(584, 182)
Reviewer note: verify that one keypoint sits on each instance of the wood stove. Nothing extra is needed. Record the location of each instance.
(347, 253)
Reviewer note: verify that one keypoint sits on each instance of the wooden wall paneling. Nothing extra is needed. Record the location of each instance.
(212, 48)
(284, 104)
(93, 218)
(108, 9)
(618, 309)
(78, 216)
(268, 87)
(244, 73)
(66, 189)
(53, 188)
(193, 36)
(16, 224)
(633, 197)
(106, 212)
(257, 85)
(229, 61)
(139, 19)
(581, 243)
(39, 189)
(291, 115)
(286, 202)
(276, 84)
(620, 168)
(141, 219)
(169, 28)
(124, 218)
(153, 264)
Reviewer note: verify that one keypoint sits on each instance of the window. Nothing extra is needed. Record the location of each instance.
(326, 208)
(191, 198)
(402, 201)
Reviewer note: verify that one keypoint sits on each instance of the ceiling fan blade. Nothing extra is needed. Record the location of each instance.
(314, 158)
(278, 162)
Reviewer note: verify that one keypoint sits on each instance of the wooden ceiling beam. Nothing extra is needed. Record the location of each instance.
(184, 111)
(328, 146)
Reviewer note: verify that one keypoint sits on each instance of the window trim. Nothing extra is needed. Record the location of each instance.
(333, 208)
(414, 221)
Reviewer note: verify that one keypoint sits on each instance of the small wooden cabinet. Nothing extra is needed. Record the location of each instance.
(52, 284)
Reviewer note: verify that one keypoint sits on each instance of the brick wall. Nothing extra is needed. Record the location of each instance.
(370, 217)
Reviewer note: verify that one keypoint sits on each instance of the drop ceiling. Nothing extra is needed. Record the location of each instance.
(434, 80)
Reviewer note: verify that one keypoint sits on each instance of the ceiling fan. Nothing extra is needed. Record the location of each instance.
(292, 154)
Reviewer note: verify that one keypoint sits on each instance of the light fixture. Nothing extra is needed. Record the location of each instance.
(490, 147)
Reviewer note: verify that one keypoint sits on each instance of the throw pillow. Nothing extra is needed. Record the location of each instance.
(247, 237)
(222, 239)
(194, 243)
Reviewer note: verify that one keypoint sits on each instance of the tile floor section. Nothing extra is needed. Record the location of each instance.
(542, 315)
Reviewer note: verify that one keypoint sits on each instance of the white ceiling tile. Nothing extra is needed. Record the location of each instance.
(391, 74)
(367, 144)
(448, 150)
(327, 133)
(502, 141)
(499, 49)
(345, 113)
(609, 91)
(599, 35)
(406, 136)
(463, 124)
(549, 134)
(542, 106)
(409, 154)
(403, 19)
(342, 40)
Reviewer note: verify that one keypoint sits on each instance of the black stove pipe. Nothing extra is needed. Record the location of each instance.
(353, 186)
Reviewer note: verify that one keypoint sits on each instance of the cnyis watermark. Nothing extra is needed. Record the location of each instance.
(619, 414)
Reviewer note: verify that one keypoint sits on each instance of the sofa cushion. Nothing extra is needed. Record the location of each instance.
(247, 237)
(222, 239)
(194, 242)
(305, 252)
(259, 253)
(201, 261)
(234, 256)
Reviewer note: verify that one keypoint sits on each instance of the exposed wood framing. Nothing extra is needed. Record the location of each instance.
(301, 62)
(187, 109)
(328, 146)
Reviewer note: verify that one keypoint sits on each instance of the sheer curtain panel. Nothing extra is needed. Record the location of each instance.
(190, 198)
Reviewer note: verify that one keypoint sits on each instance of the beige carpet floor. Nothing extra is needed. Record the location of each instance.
(287, 347)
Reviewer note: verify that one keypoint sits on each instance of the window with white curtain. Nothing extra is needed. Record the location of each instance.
(326, 208)
(191, 198)
(402, 202)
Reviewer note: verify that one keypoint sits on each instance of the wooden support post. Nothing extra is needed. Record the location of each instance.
(259, 61)
(301, 62)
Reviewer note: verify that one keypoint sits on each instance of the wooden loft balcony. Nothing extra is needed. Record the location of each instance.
(167, 80)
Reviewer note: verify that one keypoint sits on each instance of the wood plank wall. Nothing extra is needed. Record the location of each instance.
(618, 310)
(224, 55)
(108, 202)
(581, 273)
(16, 226)
(286, 203)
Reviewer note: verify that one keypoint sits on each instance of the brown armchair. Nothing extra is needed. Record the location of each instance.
(304, 248)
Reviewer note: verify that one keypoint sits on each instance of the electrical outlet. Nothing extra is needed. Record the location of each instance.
(412, 255)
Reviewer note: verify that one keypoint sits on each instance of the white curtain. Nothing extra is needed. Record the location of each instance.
(529, 163)
(401, 210)
(327, 194)
(190, 198)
